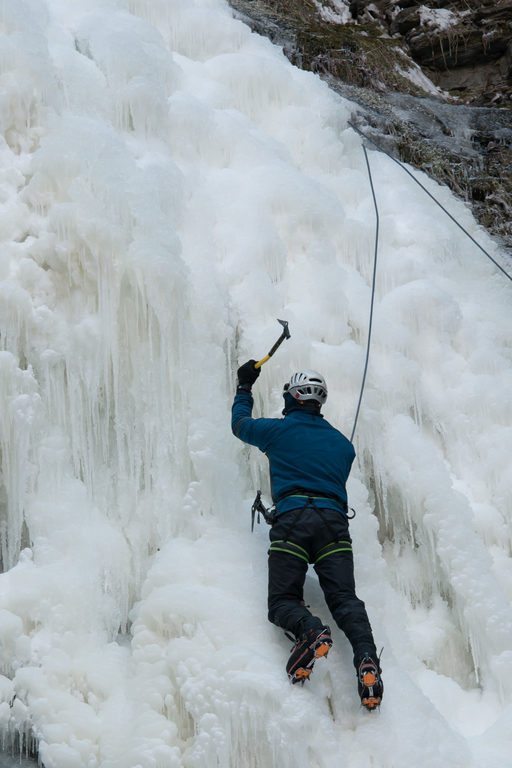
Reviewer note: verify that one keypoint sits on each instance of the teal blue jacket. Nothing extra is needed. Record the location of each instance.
(307, 455)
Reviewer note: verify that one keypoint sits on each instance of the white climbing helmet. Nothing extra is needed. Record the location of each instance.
(307, 385)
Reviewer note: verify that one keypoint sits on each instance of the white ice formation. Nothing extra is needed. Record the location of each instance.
(169, 186)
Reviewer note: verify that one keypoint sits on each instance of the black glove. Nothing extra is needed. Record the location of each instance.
(247, 375)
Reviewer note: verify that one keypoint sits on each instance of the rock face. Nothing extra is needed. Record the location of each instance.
(433, 82)
(465, 46)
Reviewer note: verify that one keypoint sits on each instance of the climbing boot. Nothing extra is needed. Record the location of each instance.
(369, 683)
(307, 649)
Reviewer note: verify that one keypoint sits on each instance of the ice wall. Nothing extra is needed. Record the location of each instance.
(170, 185)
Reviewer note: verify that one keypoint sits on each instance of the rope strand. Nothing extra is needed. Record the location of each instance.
(372, 301)
(377, 245)
(402, 166)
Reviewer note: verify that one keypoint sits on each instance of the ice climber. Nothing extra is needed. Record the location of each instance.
(310, 462)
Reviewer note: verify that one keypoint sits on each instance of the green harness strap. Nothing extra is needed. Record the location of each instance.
(330, 549)
(293, 549)
(290, 548)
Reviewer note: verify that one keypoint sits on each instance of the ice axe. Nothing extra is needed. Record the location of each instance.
(285, 335)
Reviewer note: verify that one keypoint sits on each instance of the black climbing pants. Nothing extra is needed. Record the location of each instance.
(320, 537)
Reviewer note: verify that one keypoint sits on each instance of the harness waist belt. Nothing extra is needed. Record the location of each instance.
(302, 494)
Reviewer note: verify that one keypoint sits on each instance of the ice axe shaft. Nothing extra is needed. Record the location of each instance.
(285, 335)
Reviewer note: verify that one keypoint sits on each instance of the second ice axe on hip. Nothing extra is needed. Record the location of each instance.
(285, 335)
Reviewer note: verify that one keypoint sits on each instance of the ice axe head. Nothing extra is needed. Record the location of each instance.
(286, 332)
(285, 335)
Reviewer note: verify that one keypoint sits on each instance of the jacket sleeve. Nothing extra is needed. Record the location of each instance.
(256, 432)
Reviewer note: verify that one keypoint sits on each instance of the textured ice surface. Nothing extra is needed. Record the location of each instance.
(170, 185)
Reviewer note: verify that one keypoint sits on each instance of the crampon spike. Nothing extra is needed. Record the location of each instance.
(371, 703)
(301, 675)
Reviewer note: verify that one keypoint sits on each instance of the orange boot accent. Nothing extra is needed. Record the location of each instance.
(371, 703)
(322, 650)
(369, 679)
(301, 674)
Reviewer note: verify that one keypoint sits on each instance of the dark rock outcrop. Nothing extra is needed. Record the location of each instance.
(465, 46)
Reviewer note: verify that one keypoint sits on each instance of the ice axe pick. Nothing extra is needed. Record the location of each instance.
(285, 335)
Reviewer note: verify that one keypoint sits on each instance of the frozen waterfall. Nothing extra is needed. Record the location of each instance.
(170, 185)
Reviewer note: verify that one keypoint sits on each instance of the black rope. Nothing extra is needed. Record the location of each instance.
(372, 301)
(432, 198)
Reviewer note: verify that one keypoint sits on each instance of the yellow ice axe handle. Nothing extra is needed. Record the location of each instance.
(260, 362)
(285, 335)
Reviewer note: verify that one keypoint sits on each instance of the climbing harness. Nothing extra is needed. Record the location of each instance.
(301, 493)
(270, 516)
(283, 545)
(290, 548)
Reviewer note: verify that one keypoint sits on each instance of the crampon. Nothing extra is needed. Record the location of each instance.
(369, 683)
(308, 649)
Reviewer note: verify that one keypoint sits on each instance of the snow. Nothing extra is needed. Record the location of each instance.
(171, 185)
(440, 18)
(334, 11)
(415, 74)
